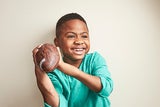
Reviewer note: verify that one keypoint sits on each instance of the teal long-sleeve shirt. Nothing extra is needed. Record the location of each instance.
(73, 93)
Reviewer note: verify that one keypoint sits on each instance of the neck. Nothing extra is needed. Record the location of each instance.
(75, 63)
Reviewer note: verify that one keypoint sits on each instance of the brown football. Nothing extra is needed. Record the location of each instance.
(47, 57)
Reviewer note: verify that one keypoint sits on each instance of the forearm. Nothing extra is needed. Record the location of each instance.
(47, 89)
(93, 82)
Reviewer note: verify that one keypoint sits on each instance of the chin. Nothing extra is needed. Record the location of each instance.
(78, 57)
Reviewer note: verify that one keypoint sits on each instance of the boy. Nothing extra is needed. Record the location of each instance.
(81, 78)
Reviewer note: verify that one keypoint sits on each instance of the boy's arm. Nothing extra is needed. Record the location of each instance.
(45, 85)
(47, 89)
(93, 82)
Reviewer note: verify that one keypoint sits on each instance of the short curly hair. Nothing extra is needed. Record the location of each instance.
(65, 18)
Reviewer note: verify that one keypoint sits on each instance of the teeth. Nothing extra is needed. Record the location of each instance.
(78, 49)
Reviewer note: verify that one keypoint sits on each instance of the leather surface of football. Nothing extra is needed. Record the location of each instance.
(47, 57)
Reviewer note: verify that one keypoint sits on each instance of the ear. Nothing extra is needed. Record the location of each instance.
(56, 42)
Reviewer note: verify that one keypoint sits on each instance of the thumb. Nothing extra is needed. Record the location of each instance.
(60, 55)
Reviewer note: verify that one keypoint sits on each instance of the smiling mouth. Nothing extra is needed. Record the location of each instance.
(78, 51)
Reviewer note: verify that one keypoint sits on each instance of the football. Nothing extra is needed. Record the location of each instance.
(47, 57)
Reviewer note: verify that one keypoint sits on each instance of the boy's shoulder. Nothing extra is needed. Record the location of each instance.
(93, 54)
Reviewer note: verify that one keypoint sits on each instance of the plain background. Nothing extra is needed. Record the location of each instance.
(125, 32)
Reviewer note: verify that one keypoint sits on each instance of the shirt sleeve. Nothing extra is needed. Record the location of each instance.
(101, 70)
(59, 89)
(46, 105)
(63, 102)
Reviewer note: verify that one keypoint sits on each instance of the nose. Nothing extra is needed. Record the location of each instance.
(79, 42)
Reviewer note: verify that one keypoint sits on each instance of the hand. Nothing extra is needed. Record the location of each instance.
(34, 51)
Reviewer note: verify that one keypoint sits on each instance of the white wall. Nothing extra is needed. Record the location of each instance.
(126, 33)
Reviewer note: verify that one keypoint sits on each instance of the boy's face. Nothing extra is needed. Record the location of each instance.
(73, 40)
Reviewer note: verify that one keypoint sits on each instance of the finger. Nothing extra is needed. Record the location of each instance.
(59, 51)
(39, 45)
(35, 50)
(60, 56)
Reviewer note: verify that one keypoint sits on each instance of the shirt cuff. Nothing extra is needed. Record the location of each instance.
(46, 105)
(63, 102)
(107, 87)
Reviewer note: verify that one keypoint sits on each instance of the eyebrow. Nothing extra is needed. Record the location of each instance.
(76, 33)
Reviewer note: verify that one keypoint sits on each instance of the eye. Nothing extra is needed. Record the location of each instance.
(70, 36)
(84, 36)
